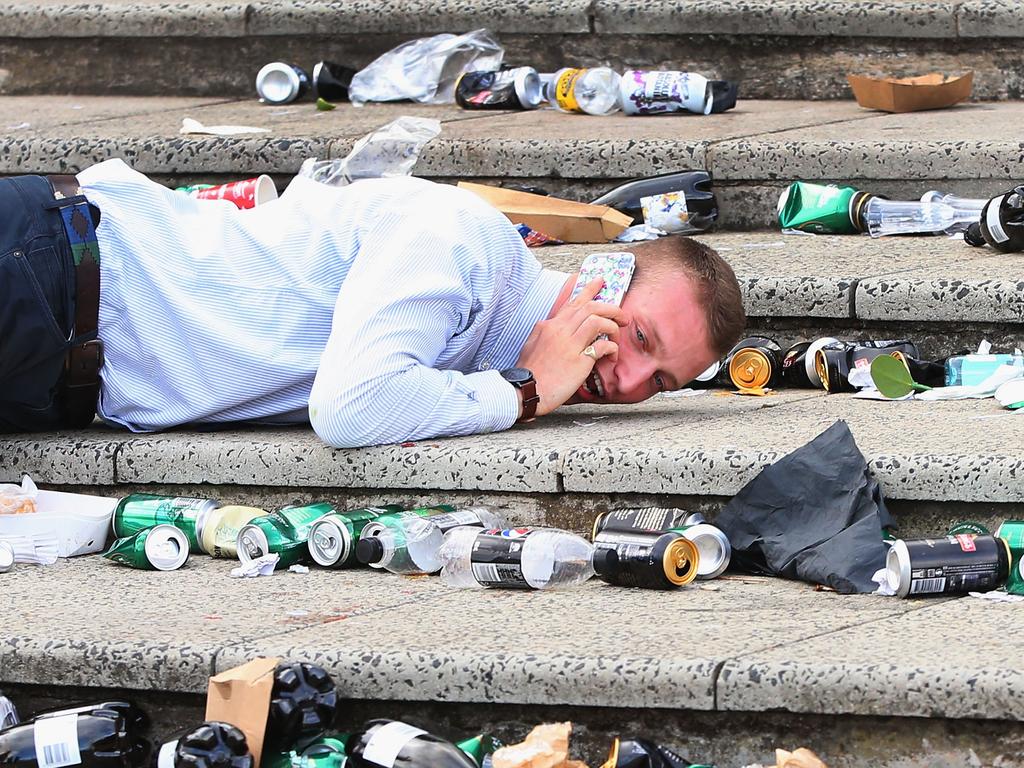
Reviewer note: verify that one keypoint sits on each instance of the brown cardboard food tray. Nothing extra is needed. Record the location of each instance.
(565, 220)
(910, 94)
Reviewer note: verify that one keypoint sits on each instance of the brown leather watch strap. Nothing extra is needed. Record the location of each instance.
(530, 400)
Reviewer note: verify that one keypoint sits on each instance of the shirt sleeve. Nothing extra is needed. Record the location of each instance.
(410, 290)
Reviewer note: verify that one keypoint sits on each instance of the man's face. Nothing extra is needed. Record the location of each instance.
(663, 346)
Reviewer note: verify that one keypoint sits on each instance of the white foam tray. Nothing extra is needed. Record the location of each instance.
(81, 523)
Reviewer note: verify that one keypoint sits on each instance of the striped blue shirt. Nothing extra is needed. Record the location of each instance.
(379, 312)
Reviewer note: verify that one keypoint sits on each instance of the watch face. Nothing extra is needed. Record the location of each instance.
(517, 375)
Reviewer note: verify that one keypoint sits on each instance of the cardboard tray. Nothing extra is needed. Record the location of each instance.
(910, 94)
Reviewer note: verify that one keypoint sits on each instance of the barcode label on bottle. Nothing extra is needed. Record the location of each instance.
(387, 741)
(56, 740)
(995, 226)
(927, 585)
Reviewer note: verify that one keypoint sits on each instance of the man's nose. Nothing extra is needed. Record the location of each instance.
(632, 373)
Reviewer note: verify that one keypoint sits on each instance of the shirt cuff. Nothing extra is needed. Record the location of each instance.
(498, 401)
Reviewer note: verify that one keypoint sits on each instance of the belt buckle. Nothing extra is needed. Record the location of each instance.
(78, 363)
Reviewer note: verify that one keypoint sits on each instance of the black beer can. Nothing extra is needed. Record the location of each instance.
(834, 362)
(794, 366)
(331, 81)
(281, 82)
(517, 88)
(755, 363)
(643, 519)
(950, 565)
(645, 560)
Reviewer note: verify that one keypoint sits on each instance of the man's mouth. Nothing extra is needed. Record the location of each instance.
(593, 385)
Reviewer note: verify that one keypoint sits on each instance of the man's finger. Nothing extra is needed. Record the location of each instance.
(589, 291)
(594, 326)
(604, 309)
(606, 348)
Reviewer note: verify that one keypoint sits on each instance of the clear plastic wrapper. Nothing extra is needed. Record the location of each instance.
(391, 150)
(38, 549)
(426, 70)
(18, 499)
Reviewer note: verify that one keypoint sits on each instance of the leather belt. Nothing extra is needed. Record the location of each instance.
(81, 382)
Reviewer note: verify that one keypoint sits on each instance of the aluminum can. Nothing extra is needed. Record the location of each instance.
(713, 545)
(218, 536)
(646, 560)
(374, 527)
(284, 532)
(160, 548)
(6, 557)
(140, 511)
(835, 361)
(647, 519)
(517, 88)
(332, 538)
(331, 81)
(755, 363)
(949, 565)
(794, 366)
(280, 82)
(822, 209)
(1012, 532)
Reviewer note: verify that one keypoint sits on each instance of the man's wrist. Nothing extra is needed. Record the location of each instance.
(526, 390)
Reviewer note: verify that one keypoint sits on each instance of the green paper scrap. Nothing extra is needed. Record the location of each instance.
(892, 377)
(324, 106)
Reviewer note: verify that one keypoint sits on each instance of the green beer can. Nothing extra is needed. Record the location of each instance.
(140, 511)
(1012, 532)
(160, 548)
(332, 539)
(283, 532)
(822, 209)
(374, 527)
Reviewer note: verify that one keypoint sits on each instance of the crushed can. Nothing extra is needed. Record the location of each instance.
(645, 560)
(140, 511)
(834, 362)
(947, 566)
(218, 535)
(284, 532)
(160, 548)
(518, 88)
(332, 538)
(1012, 532)
(822, 209)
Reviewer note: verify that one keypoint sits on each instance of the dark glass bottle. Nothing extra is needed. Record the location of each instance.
(303, 703)
(106, 735)
(696, 185)
(213, 745)
(393, 744)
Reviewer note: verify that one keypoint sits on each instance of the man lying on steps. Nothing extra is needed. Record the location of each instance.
(384, 311)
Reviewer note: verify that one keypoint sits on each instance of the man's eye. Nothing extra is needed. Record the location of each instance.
(640, 337)
(659, 382)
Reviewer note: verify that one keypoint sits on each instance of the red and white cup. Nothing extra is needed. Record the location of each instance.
(247, 193)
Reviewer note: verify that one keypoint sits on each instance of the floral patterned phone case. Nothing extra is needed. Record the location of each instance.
(615, 268)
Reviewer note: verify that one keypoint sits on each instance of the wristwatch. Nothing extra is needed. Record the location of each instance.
(522, 379)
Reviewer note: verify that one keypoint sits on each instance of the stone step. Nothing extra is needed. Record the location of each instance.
(722, 672)
(753, 152)
(796, 49)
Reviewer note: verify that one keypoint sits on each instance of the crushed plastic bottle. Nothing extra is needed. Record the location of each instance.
(516, 558)
(426, 70)
(594, 91)
(907, 217)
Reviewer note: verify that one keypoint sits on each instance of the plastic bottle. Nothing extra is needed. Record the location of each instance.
(410, 544)
(695, 186)
(594, 91)
(393, 744)
(906, 217)
(970, 370)
(106, 735)
(517, 558)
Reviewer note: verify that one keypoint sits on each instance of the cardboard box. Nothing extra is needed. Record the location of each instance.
(562, 219)
(910, 94)
(241, 696)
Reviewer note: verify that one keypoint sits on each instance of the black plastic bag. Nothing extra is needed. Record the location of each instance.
(816, 515)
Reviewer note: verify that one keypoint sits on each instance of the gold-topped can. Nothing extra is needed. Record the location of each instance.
(646, 560)
(755, 363)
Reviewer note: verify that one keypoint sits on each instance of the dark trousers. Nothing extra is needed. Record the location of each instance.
(37, 305)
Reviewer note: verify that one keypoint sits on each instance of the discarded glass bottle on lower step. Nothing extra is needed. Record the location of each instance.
(105, 735)
(211, 745)
(643, 199)
(515, 558)
(303, 703)
(394, 744)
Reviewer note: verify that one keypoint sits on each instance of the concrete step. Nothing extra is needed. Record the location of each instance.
(753, 152)
(723, 672)
(792, 49)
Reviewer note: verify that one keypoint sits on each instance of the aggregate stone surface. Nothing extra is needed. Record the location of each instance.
(816, 18)
(122, 18)
(88, 621)
(976, 455)
(969, 141)
(419, 17)
(901, 664)
(989, 18)
(595, 645)
(29, 115)
(61, 458)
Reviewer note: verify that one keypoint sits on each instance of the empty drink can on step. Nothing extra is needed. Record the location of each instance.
(218, 536)
(280, 82)
(949, 565)
(283, 532)
(1012, 532)
(160, 548)
(642, 519)
(646, 560)
(712, 544)
(822, 209)
(332, 539)
(755, 363)
(517, 88)
(140, 511)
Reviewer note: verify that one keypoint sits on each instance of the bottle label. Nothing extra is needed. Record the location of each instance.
(497, 558)
(387, 741)
(667, 212)
(165, 757)
(56, 740)
(995, 227)
(450, 520)
(565, 90)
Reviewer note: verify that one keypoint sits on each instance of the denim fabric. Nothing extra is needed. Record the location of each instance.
(37, 304)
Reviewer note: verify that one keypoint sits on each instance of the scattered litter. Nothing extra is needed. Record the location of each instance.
(638, 233)
(882, 580)
(261, 566)
(997, 597)
(298, 569)
(684, 392)
(190, 126)
(18, 126)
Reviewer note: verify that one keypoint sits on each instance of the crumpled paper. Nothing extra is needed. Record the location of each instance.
(261, 566)
(188, 125)
(547, 746)
(800, 758)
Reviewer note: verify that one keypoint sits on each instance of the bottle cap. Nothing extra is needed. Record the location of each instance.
(723, 95)
(606, 561)
(370, 550)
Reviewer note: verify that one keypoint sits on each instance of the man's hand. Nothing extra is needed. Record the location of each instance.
(554, 349)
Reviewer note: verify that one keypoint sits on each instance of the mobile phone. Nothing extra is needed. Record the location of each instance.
(615, 268)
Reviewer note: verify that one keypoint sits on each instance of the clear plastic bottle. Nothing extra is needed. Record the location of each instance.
(517, 558)
(594, 91)
(410, 544)
(906, 217)
(968, 208)
(970, 370)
